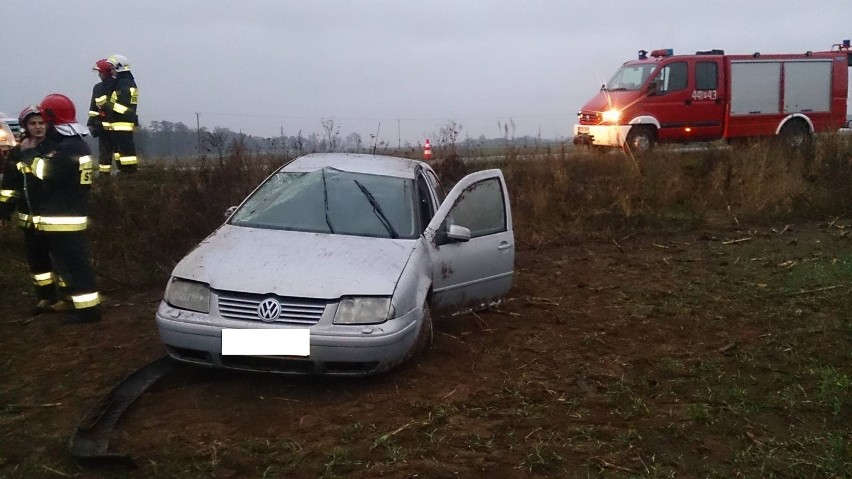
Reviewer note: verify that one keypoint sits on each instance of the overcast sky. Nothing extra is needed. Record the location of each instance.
(403, 68)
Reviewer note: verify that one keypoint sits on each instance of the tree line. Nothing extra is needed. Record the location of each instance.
(166, 139)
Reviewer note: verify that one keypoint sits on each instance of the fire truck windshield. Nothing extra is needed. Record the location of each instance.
(631, 77)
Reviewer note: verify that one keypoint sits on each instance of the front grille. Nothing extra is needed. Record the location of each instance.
(296, 311)
(586, 118)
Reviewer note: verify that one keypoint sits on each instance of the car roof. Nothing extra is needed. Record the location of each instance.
(357, 163)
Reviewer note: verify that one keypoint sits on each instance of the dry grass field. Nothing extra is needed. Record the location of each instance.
(678, 314)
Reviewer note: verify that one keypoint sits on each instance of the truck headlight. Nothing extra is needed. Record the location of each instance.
(189, 295)
(362, 310)
(612, 115)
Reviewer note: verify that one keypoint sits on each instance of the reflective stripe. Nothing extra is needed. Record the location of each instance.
(119, 108)
(86, 300)
(101, 100)
(121, 126)
(93, 113)
(24, 168)
(61, 282)
(134, 96)
(60, 223)
(106, 125)
(54, 223)
(128, 160)
(104, 168)
(85, 162)
(43, 279)
(39, 167)
(7, 195)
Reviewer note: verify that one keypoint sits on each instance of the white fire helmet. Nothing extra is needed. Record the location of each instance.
(119, 62)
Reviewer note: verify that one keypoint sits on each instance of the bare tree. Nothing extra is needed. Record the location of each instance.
(331, 134)
(217, 141)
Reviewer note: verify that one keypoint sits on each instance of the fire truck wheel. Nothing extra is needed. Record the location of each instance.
(641, 138)
(796, 135)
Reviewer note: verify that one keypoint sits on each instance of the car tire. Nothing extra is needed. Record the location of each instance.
(640, 139)
(424, 336)
(796, 137)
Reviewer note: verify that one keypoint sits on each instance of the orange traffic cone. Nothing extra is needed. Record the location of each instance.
(427, 150)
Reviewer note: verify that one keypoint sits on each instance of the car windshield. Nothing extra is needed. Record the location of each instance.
(333, 201)
(630, 77)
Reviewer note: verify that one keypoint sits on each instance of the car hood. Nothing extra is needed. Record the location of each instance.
(296, 264)
(604, 100)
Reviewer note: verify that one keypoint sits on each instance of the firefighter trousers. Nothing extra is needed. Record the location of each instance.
(71, 258)
(45, 281)
(106, 148)
(124, 153)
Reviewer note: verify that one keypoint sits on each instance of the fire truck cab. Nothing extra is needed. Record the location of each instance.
(662, 97)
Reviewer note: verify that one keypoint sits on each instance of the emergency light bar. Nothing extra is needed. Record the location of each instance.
(662, 52)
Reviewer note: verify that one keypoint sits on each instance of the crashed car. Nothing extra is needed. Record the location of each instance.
(335, 265)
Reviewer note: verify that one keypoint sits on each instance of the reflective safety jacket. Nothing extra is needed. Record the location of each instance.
(121, 107)
(101, 93)
(49, 185)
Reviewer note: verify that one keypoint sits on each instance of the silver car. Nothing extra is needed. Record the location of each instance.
(334, 265)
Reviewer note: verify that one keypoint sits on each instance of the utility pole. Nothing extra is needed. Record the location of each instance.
(198, 133)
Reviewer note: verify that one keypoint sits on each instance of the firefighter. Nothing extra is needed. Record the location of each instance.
(15, 194)
(56, 184)
(98, 124)
(121, 114)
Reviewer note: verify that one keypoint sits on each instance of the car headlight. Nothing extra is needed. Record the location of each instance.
(611, 116)
(363, 310)
(188, 295)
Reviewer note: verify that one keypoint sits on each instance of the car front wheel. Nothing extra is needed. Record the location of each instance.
(424, 337)
(640, 138)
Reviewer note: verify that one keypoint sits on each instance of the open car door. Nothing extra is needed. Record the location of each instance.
(473, 245)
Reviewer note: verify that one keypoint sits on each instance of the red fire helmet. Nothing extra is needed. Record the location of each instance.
(58, 109)
(102, 66)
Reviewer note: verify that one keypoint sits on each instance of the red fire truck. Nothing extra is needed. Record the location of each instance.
(662, 97)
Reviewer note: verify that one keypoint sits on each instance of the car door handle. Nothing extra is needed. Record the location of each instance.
(504, 246)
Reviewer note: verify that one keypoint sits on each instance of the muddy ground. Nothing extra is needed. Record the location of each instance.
(712, 353)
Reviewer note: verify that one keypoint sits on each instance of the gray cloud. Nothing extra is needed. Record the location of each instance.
(258, 66)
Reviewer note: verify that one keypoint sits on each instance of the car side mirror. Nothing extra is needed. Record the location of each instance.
(654, 88)
(451, 234)
(458, 233)
(230, 211)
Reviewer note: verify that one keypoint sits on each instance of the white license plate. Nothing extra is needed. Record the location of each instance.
(266, 342)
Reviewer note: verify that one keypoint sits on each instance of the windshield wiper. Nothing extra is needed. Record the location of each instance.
(325, 200)
(378, 210)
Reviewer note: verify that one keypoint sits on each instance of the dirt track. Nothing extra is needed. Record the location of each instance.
(700, 354)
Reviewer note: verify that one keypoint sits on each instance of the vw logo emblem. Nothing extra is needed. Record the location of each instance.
(269, 309)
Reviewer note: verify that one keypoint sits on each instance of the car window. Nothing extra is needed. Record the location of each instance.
(480, 208)
(333, 201)
(706, 76)
(630, 77)
(672, 77)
